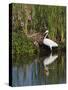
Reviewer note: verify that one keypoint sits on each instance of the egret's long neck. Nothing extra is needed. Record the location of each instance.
(46, 35)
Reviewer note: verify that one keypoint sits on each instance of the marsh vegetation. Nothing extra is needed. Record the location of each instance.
(28, 20)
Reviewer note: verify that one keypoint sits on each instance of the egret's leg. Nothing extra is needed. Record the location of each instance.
(51, 48)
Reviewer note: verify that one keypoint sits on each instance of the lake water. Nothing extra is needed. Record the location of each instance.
(39, 70)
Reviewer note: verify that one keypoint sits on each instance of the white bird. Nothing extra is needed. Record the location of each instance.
(49, 42)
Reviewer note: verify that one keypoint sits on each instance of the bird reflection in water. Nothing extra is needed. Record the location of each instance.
(47, 61)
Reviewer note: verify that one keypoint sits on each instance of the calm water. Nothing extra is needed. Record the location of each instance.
(39, 70)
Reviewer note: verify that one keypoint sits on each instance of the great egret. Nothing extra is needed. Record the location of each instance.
(49, 42)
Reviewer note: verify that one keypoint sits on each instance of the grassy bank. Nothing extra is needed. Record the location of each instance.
(22, 45)
(37, 18)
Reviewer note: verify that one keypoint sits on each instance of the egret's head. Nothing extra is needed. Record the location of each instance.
(46, 31)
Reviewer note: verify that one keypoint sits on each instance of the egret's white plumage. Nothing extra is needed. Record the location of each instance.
(49, 42)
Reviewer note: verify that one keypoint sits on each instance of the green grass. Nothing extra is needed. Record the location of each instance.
(22, 45)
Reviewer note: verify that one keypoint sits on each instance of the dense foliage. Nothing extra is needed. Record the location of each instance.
(22, 44)
(36, 18)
